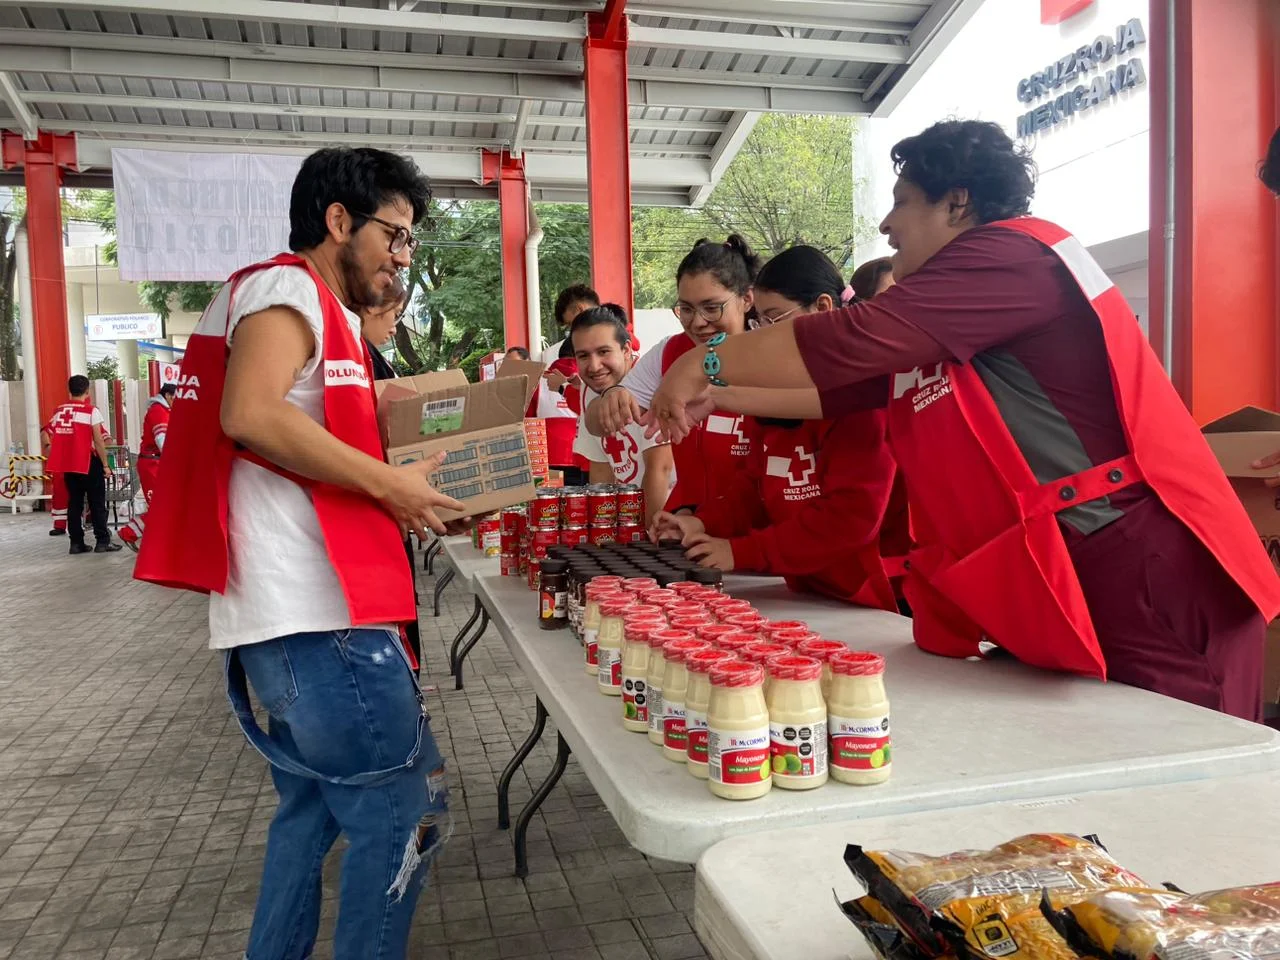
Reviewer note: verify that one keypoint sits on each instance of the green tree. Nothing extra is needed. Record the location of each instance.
(10, 339)
(104, 369)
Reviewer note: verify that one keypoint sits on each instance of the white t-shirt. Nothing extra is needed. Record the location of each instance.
(96, 419)
(624, 452)
(644, 378)
(281, 580)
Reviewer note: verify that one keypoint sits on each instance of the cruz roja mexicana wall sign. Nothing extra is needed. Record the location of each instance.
(1076, 67)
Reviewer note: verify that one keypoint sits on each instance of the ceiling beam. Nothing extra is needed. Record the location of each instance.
(727, 147)
(519, 128)
(931, 35)
(763, 44)
(850, 15)
(12, 97)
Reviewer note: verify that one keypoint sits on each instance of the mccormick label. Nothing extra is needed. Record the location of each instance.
(859, 744)
(738, 756)
(590, 640)
(656, 709)
(609, 673)
(674, 734)
(695, 725)
(573, 509)
(798, 750)
(635, 698)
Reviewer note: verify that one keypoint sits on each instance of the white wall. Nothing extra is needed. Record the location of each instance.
(652, 325)
(1093, 166)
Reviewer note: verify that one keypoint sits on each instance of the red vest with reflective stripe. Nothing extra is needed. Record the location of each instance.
(71, 437)
(186, 541)
(154, 426)
(721, 442)
(991, 562)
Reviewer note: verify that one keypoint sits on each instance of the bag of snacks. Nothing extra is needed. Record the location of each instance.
(876, 924)
(916, 889)
(1241, 923)
(985, 928)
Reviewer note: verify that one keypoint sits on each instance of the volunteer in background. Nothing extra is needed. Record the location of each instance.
(558, 400)
(274, 498)
(602, 345)
(78, 451)
(817, 502)
(873, 277)
(57, 488)
(154, 427)
(570, 302)
(714, 288)
(1065, 505)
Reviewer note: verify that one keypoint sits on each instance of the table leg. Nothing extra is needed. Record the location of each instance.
(433, 551)
(441, 582)
(522, 754)
(475, 638)
(530, 808)
(457, 640)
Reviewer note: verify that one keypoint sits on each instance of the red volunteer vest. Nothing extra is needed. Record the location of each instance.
(720, 443)
(71, 437)
(154, 426)
(991, 561)
(186, 541)
(794, 473)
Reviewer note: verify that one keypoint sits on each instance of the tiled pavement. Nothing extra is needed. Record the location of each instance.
(133, 815)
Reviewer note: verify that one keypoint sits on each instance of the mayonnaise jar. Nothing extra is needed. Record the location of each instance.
(696, 700)
(738, 764)
(822, 651)
(613, 612)
(797, 722)
(858, 719)
(675, 682)
(596, 593)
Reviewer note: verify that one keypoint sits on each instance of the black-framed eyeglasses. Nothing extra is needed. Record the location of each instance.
(400, 237)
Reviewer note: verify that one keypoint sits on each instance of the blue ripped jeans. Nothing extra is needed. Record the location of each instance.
(351, 752)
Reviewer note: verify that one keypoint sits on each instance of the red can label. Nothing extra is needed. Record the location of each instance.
(535, 577)
(859, 743)
(573, 510)
(630, 506)
(541, 541)
(602, 508)
(512, 519)
(510, 565)
(510, 543)
(738, 756)
(544, 512)
(630, 533)
(602, 535)
(490, 536)
(572, 536)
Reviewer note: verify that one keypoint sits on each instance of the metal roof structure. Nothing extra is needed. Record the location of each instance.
(442, 80)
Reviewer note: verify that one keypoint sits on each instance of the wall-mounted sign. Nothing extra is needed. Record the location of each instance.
(123, 326)
(1075, 68)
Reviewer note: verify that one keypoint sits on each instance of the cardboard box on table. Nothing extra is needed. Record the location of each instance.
(1237, 440)
(480, 425)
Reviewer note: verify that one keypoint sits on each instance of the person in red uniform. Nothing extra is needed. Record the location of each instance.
(713, 284)
(78, 451)
(819, 500)
(1065, 506)
(57, 488)
(154, 427)
(558, 399)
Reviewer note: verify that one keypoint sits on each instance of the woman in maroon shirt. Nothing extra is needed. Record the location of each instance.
(976, 293)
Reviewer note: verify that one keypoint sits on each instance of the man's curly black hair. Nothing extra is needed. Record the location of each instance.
(1269, 171)
(972, 155)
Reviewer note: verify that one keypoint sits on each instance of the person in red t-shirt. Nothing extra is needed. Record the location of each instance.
(155, 427)
(819, 500)
(78, 451)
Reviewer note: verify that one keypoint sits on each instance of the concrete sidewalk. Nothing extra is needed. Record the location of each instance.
(133, 814)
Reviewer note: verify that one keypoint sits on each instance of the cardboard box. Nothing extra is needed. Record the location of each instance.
(480, 425)
(1237, 440)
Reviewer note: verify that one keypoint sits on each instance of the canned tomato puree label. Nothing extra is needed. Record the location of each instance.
(512, 519)
(544, 510)
(535, 576)
(630, 504)
(510, 565)
(573, 508)
(572, 536)
(630, 533)
(541, 541)
(602, 506)
(490, 536)
(602, 535)
(510, 544)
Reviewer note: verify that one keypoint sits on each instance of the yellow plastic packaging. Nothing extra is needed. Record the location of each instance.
(985, 928)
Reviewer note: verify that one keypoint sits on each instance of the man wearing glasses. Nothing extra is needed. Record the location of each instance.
(274, 498)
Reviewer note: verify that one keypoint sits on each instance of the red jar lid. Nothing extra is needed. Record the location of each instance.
(660, 597)
(639, 584)
(606, 580)
(762, 650)
(792, 638)
(737, 640)
(602, 595)
(737, 673)
(701, 593)
(701, 661)
(689, 621)
(676, 650)
(639, 609)
(658, 639)
(856, 663)
(773, 625)
(788, 666)
(685, 586)
(616, 606)
(712, 632)
(746, 621)
(727, 605)
(820, 649)
(685, 607)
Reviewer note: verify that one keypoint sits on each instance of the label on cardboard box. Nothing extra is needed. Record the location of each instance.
(442, 416)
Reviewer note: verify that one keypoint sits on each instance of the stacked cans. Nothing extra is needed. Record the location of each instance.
(569, 517)
(512, 526)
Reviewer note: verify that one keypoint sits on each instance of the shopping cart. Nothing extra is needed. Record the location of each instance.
(122, 485)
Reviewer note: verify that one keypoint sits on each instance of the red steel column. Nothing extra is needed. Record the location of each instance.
(1226, 305)
(513, 206)
(42, 161)
(608, 155)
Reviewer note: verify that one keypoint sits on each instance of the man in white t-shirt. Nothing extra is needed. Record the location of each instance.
(315, 581)
(602, 345)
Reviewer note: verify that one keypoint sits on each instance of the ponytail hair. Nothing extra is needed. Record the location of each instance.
(733, 263)
(802, 274)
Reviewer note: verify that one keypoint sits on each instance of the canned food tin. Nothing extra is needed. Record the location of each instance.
(523, 560)
(572, 536)
(602, 535)
(510, 565)
(630, 533)
(490, 534)
(544, 510)
(573, 507)
(602, 506)
(541, 539)
(510, 544)
(512, 519)
(535, 576)
(630, 505)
